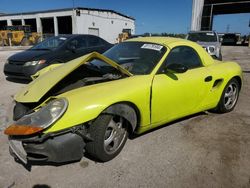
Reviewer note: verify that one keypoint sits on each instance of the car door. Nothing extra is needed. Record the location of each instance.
(74, 48)
(175, 95)
(80, 45)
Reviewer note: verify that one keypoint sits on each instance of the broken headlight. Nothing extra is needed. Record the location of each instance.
(39, 120)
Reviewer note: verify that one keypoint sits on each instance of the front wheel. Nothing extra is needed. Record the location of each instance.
(109, 133)
(229, 97)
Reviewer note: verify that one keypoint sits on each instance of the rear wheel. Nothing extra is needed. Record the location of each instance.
(109, 133)
(220, 57)
(229, 97)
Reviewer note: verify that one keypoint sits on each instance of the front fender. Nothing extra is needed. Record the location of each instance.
(77, 113)
(125, 111)
(86, 103)
(92, 112)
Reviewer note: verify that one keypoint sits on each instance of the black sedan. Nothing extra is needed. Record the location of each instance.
(229, 39)
(58, 49)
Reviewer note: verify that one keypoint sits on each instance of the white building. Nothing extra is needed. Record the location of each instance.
(101, 22)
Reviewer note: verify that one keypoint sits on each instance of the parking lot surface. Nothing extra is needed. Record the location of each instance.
(205, 150)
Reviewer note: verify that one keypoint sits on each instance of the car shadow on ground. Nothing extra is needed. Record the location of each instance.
(19, 81)
(131, 137)
(41, 186)
(246, 71)
(29, 165)
(134, 136)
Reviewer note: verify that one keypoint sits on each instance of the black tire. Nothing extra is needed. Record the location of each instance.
(220, 57)
(101, 131)
(224, 104)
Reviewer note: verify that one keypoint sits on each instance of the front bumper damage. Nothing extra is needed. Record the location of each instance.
(17, 150)
(55, 148)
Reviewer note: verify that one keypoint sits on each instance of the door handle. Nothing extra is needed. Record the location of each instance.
(208, 79)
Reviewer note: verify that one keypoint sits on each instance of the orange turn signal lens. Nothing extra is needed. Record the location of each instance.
(21, 130)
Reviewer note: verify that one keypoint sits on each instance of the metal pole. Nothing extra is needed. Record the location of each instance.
(211, 17)
(249, 35)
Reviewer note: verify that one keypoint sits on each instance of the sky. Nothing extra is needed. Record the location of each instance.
(158, 16)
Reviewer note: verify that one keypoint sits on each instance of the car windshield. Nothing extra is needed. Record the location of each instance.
(50, 43)
(137, 57)
(202, 37)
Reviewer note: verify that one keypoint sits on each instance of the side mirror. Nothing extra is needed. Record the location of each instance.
(175, 68)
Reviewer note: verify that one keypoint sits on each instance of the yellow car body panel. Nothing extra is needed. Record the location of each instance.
(45, 70)
(182, 95)
(36, 89)
(223, 71)
(88, 102)
(172, 97)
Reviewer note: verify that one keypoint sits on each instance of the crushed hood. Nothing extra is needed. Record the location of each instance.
(34, 91)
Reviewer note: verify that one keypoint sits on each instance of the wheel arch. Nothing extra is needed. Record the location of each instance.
(238, 78)
(127, 110)
(219, 109)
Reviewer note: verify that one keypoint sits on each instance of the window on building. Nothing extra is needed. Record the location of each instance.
(3, 24)
(93, 31)
(16, 22)
(127, 31)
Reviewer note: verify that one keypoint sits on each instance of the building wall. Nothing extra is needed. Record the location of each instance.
(37, 16)
(109, 24)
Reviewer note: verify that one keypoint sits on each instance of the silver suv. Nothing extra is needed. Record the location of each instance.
(208, 40)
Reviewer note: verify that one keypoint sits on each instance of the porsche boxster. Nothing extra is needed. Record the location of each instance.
(93, 103)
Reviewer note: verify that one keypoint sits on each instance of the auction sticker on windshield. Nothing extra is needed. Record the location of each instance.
(63, 38)
(210, 34)
(152, 47)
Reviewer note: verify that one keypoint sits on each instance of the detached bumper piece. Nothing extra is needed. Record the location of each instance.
(17, 150)
(57, 149)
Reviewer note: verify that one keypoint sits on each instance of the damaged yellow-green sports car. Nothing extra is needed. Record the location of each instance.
(92, 104)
